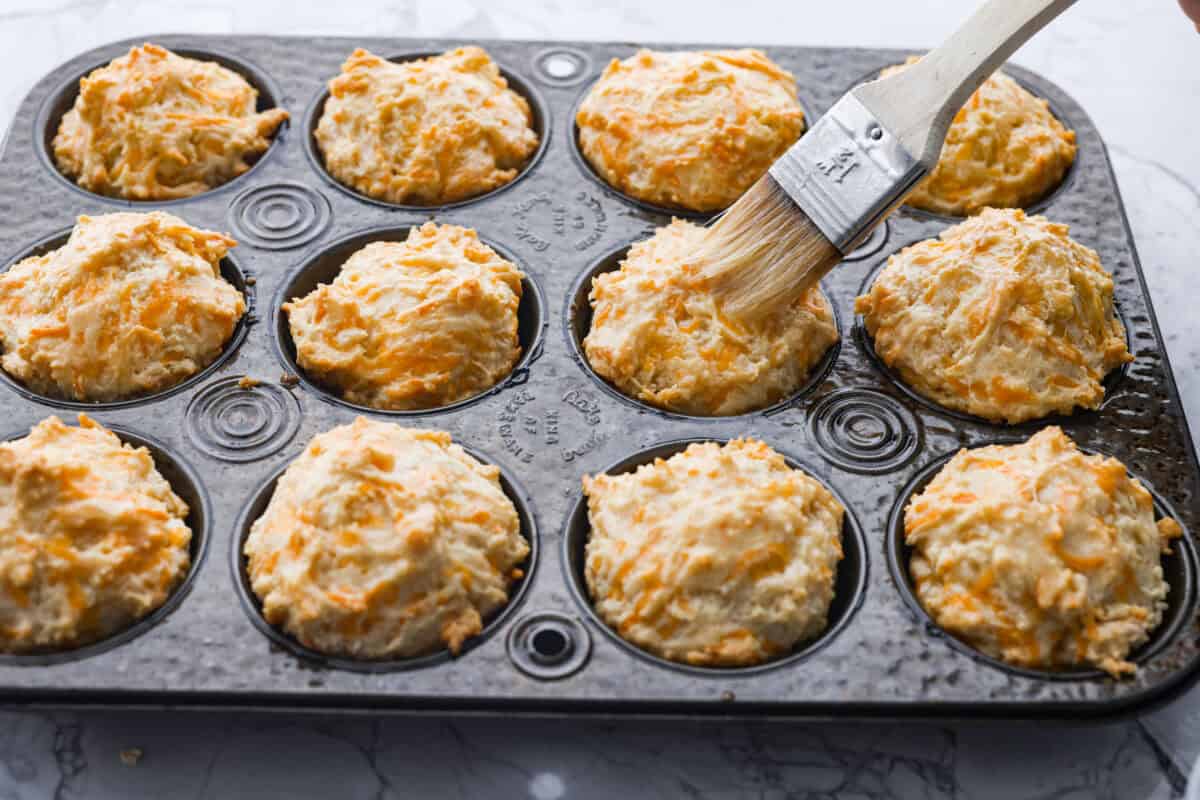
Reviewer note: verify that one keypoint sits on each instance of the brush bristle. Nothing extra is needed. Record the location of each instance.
(763, 253)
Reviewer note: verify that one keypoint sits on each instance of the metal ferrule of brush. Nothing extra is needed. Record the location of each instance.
(847, 173)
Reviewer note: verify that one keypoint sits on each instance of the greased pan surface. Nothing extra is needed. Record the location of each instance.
(854, 428)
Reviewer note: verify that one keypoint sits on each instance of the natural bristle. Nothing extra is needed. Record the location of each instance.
(763, 253)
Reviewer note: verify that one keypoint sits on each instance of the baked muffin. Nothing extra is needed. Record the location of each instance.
(425, 132)
(152, 125)
(1004, 317)
(131, 304)
(720, 556)
(92, 538)
(659, 335)
(691, 130)
(1040, 555)
(414, 324)
(384, 542)
(1004, 149)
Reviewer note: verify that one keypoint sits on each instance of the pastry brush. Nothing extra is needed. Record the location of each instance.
(826, 194)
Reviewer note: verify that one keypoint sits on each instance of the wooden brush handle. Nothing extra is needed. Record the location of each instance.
(918, 104)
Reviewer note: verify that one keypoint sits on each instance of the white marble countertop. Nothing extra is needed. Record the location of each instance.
(1135, 67)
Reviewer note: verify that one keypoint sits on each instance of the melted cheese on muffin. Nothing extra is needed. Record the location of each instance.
(414, 324)
(659, 334)
(1004, 317)
(690, 130)
(131, 304)
(717, 556)
(152, 125)
(91, 537)
(384, 542)
(1040, 555)
(1004, 149)
(426, 132)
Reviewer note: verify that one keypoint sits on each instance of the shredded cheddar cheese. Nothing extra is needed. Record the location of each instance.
(425, 132)
(384, 542)
(152, 125)
(1040, 555)
(91, 537)
(1004, 316)
(717, 556)
(692, 130)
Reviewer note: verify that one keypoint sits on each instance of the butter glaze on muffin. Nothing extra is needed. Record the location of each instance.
(414, 324)
(153, 125)
(92, 538)
(1040, 555)
(658, 333)
(1004, 316)
(717, 556)
(131, 304)
(690, 130)
(425, 132)
(385, 542)
(1005, 149)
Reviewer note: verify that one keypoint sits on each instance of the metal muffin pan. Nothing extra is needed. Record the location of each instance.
(855, 429)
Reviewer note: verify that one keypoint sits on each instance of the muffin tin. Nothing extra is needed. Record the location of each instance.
(224, 440)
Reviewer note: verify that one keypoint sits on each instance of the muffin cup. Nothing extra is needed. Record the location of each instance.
(1179, 571)
(1113, 383)
(538, 110)
(251, 604)
(61, 100)
(577, 320)
(1036, 207)
(187, 484)
(324, 266)
(230, 271)
(849, 583)
(592, 174)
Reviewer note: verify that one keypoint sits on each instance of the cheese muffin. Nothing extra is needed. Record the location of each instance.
(658, 333)
(691, 130)
(1004, 317)
(384, 542)
(152, 125)
(1004, 149)
(424, 132)
(92, 538)
(1040, 555)
(720, 556)
(414, 324)
(131, 304)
